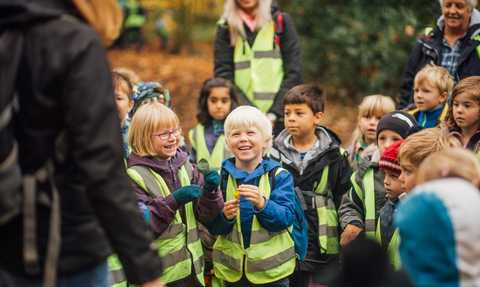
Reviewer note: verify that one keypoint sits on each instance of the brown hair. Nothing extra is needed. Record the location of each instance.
(312, 95)
(418, 146)
(203, 115)
(149, 119)
(122, 83)
(105, 16)
(470, 86)
(450, 162)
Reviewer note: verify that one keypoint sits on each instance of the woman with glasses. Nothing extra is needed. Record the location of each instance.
(176, 194)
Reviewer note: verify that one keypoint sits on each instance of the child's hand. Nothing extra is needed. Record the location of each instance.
(252, 194)
(230, 209)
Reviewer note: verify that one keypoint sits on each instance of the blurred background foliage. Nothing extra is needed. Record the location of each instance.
(353, 47)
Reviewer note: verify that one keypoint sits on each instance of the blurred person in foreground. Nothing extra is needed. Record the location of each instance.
(64, 87)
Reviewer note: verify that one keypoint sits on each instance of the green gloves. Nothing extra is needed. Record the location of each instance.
(187, 194)
(211, 180)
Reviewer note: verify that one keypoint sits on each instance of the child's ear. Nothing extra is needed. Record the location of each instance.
(130, 106)
(443, 97)
(267, 142)
(317, 118)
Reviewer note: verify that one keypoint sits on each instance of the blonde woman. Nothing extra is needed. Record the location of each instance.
(257, 49)
(64, 87)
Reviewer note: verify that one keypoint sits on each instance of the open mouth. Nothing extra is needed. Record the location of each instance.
(245, 148)
(169, 146)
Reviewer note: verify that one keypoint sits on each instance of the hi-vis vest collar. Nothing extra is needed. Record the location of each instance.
(179, 245)
(259, 69)
(220, 152)
(270, 257)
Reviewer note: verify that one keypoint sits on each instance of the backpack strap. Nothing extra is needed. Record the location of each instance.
(277, 28)
(223, 182)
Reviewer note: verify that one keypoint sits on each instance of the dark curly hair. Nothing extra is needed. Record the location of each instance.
(203, 116)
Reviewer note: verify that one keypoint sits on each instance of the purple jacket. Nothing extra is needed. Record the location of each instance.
(162, 210)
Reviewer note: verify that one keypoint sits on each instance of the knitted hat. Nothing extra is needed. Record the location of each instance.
(396, 121)
(388, 160)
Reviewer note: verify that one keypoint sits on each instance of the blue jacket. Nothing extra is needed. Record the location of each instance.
(278, 212)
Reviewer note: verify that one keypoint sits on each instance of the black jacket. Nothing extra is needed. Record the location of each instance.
(292, 59)
(307, 174)
(429, 48)
(64, 83)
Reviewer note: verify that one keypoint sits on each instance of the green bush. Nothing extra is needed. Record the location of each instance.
(356, 48)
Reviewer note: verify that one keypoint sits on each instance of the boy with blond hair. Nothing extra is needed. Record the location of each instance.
(416, 148)
(254, 246)
(432, 86)
(321, 172)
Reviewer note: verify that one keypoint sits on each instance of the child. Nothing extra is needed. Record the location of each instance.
(360, 207)
(416, 148)
(370, 111)
(124, 99)
(147, 92)
(174, 192)
(438, 221)
(321, 172)
(218, 97)
(254, 246)
(432, 85)
(463, 116)
(387, 233)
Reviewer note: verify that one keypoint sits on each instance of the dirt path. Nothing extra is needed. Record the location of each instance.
(183, 76)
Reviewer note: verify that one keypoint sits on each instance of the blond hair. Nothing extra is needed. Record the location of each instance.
(105, 16)
(450, 162)
(235, 23)
(246, 117)
(436, 77)
(418, 146)
(372, 106)
(148, 120)
(131, 75)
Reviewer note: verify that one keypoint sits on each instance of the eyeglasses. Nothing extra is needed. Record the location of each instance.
(166, 135)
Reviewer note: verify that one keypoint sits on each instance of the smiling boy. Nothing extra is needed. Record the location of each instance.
(432, 86)
(321, 172)
(253, 229)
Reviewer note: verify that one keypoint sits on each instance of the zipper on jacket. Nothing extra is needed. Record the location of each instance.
(173, 172)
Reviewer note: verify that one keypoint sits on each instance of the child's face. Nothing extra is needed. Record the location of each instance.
(386, 138)
(300, 121)
(393, 185)
(247, 144)
(465, 111)
(408, 176)
(368, 126)
(165, 149)
(124, 105)
(428, 98)
(219, 103)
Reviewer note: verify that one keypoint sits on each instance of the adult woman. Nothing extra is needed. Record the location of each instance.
(64, 85)
(257, 48)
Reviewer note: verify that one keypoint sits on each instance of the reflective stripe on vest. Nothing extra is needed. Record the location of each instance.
(115, 270)
(220, 150)
(392, 250)
(327, 217)
(179, 245)
(270, 257)
(259, 69)
(367, 195)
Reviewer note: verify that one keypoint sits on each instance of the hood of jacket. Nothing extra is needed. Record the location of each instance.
(275, 8)
(160, 167)
(473, 26)
(369, 161)
(266, 165)
(16, 12)
(327, 140)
